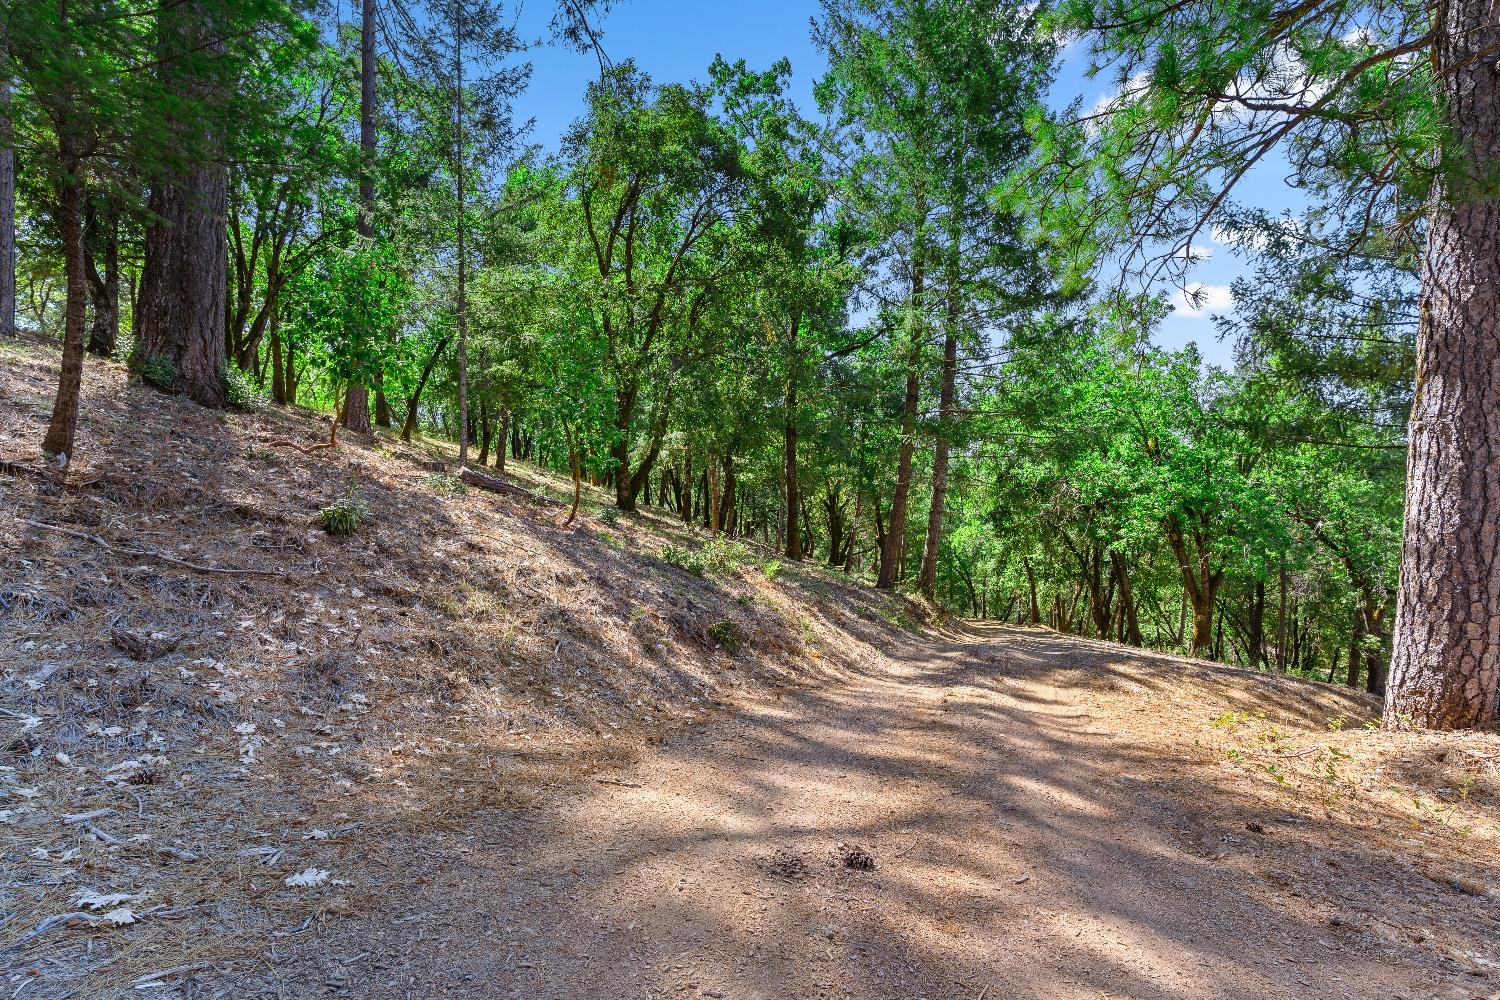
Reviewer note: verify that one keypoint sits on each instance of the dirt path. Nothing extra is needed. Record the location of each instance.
(1024, 844)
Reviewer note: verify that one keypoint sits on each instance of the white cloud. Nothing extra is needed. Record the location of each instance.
(1194, 254)
(1199, 299)
(1114, 100)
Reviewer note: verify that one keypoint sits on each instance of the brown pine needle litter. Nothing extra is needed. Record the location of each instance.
(237, 697)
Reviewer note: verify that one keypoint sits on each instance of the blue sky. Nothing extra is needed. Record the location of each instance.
(675, 40)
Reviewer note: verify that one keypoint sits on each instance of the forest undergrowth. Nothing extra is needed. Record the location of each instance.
(226, 727)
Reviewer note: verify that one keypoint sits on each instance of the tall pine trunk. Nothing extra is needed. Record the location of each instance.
(458, 178)
(185, 278)
(357, 413)
(7, 199)
(894, 545)
(947, 399)
(1445, 668)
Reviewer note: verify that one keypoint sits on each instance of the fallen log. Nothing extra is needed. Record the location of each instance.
(493, 485)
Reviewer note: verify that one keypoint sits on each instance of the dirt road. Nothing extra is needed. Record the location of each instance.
(1037, 828)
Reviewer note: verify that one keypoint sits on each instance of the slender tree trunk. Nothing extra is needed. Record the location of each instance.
(63, 428)
(358, 418)
(278, 374)
(101, 234)
(789, 448)
(1445, 669)
(895, 537)
(501, 441)
(1128, 616)
(185, 280)
(458, 178)
(409, 427)
(947, 400)
(1255, 638)
(485, 431)
(1035, 609)
(7, 199)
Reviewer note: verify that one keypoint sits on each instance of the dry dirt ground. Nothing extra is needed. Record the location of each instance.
(999, 813)
(472, 753)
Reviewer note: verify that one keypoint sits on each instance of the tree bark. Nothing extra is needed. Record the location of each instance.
(63, 428)
(185, 279)
(357, 412)
(1255, 639)
(1132, 625)
(409, 427)
(1445, 669)
(7, 200)
(789, 449)
(461, 313)
(101, 234)
(895, 536)
(947, 400)
(1200, 582)
(501, 440)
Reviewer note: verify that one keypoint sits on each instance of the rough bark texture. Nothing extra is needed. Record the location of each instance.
(893, 546)
(64, 424)
(101, 238)
(357, 412)
(185, 278)
(1445, 670)
(7, 207)
(927, 579)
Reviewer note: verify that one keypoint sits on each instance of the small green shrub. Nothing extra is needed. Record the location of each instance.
(446, 482)
(239, 392)
(726, 634)
(685, 559)
(718, 555)
(722, 556)
(341, 519)
(772, 569)
(153, 369)
(609, 515)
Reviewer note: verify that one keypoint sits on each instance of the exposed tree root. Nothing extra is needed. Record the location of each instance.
(150, 553)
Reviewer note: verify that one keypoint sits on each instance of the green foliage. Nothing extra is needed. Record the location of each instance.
(344, 517)
(717, 556)
(155, 370)
(727, 634)
(723, 556)
(447, 482)
(240, 393)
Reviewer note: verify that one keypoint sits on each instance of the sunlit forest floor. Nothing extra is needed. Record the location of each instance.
(470, 752)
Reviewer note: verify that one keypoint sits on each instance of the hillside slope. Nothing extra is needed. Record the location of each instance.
(243, 757)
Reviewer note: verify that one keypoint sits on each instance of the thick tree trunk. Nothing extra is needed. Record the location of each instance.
(486, 431)
(185, 279)
(1445, 669)
(62, 429)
